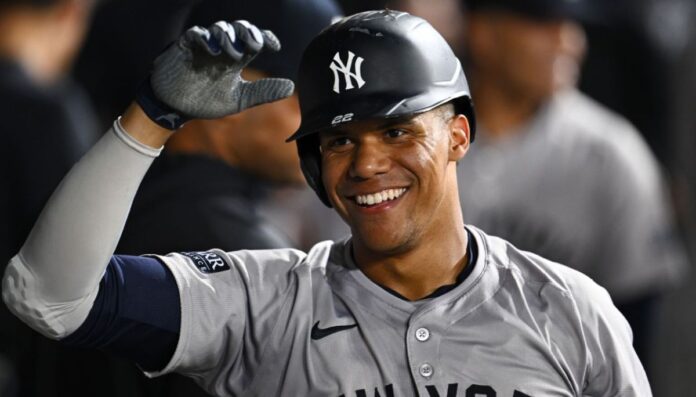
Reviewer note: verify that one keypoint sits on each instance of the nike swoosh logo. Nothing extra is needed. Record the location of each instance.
(320, 333)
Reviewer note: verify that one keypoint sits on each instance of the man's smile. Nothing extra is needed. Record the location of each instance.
(379, 197)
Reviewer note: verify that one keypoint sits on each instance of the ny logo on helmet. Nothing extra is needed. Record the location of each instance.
(337, 65)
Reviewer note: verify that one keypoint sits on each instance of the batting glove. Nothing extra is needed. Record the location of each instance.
(199, 75)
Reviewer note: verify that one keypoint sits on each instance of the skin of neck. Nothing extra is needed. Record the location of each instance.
(500, 109)
(420, 267)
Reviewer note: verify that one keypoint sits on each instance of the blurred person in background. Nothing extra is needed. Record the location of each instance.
(557, 173)
(47, 124)
(207, 188)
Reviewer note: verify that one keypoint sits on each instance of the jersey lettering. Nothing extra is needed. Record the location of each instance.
(452, 391)
(388, 392)
(480, 391)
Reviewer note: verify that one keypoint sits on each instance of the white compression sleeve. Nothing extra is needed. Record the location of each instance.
(52, 282)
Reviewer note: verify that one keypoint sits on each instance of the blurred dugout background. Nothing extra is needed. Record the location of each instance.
(641, 63)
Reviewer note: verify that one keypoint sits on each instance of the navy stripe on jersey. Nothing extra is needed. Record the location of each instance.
(137, 313)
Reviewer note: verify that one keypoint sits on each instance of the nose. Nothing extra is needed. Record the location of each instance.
(369, 159)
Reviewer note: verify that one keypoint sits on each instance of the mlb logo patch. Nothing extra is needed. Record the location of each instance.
(207, 262)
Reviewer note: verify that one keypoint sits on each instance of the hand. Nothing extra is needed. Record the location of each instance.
(199, 75)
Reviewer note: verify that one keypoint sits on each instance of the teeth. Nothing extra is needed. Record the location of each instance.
(376, 198)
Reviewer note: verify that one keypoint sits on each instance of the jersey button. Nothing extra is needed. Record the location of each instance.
(422, 334)
(426, 370)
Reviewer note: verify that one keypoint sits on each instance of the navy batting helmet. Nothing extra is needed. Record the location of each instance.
(373, 65)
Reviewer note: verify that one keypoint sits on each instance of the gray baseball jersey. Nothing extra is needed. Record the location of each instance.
(282, 322)
(579, 186)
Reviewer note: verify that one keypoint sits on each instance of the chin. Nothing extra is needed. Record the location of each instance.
(382, 242)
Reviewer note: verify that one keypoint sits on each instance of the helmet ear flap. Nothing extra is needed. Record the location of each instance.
(310, 161)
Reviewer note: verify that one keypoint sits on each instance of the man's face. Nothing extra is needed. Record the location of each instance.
(533, 57)
(394, 182)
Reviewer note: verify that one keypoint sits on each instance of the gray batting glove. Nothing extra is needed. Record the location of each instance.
(199, 76)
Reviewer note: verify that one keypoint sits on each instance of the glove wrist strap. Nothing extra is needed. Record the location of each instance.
(158, 111)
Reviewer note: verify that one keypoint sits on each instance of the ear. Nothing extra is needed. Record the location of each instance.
(459, 137)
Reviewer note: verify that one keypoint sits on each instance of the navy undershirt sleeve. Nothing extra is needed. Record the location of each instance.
(137, 313)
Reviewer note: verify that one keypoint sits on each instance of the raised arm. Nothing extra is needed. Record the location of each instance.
(52, 282)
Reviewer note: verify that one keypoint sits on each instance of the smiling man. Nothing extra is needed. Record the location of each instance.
(413, 303)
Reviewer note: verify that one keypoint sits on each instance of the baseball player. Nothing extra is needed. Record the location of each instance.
(413, 303)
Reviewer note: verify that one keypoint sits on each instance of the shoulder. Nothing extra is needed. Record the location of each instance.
(539, 276)
(582, 319)
(604, 139)
(588, 121)
(578, 318)
(589, 116)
